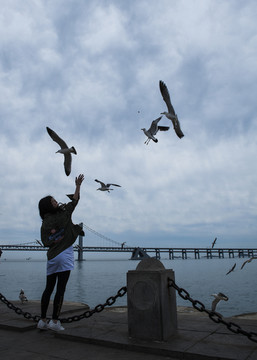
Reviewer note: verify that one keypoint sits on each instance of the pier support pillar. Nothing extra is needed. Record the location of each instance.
(209, 254)
(231, 253)
(221, 253)
(157, 254)
(197, 254)
(184, 253)
(171, 254)
(152, 310)
(250, 252)
(139, 254)
(240, 253)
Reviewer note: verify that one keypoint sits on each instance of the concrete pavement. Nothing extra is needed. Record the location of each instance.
(105, 336)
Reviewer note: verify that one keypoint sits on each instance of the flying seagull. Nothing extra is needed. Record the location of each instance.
(232, 269)
(248, 261)
(154, 128)
(171, 112)
(65, 150)
(22, 296)
(105, 187)
(214, 242)
(217, 299)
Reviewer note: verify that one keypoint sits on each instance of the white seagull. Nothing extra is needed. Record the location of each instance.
(22, 296)
(105, 187)
(154, 128)
(217, 299)
(65, 150)
(171, 112)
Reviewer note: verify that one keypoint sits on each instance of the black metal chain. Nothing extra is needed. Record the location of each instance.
(18, 310)
(213, 315)
(98, 308)
(198, 305)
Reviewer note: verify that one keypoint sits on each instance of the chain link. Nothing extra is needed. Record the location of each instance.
(213, 315)
(198, 305)
(98, 308)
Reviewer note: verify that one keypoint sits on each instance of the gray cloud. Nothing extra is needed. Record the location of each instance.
(91, 72)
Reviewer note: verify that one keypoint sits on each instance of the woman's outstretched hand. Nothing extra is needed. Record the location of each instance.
(79, 180)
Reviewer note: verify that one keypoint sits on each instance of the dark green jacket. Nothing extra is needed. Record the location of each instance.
(58, 221)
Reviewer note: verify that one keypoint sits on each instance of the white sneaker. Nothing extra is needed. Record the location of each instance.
(55, 326)
(42, 325)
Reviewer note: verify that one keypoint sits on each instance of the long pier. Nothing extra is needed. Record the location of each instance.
(172, 253)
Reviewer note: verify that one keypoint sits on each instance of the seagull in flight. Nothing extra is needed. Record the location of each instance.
(154, 128)
(217, 299)
(232, 269)
(171, 112)
(248, 261)
(105, 187)
(214, 242)
(65, 150)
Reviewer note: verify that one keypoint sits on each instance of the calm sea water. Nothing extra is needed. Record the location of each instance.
(93, 281)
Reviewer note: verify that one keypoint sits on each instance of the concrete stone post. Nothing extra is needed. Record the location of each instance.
(152, 308)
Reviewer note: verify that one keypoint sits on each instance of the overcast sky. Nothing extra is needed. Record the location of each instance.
(90, 71)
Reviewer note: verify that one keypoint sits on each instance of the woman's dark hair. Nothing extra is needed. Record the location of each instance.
(45, 206)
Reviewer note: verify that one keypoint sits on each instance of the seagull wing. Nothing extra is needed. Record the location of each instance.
(248, 261)
(57, 138)
(177, 128)
(244, 264)
(102, 184)
(233, 267)
(163, 128)
(113, 185)
(67, 164)
(166, 97)
(154, 126)
(214, 304)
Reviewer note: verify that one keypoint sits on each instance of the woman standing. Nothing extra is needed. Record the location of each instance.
(58, 233)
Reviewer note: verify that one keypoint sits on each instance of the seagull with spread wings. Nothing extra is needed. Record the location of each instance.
(154, 128)
(171, 115)
(218, 297)
(65, 150)
(232, 269)
(105, 187)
